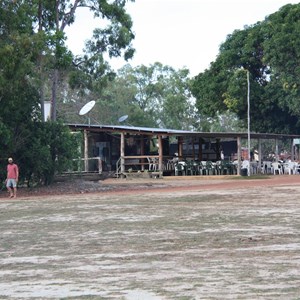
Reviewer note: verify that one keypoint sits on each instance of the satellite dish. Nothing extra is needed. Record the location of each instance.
(87, 107)
(123, 118)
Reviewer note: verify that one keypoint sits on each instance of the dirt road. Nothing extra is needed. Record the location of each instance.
(165, 185)
(177, 239)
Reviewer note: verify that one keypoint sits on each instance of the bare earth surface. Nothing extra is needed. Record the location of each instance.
(171, 238)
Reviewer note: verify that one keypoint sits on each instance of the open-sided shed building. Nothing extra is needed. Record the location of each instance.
(121, 149)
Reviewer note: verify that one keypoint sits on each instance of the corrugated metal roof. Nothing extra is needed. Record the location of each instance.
(164, 131)
(132, 129)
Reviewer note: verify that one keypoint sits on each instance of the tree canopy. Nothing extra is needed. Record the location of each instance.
(155, 96)
(270, 52)
(35, 64)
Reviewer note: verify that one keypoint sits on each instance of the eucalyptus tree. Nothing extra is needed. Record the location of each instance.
(22, 135)
(271, 57)
(45, 22)
(114, 38)
(152, 96)
(18, 97)
(160, 95)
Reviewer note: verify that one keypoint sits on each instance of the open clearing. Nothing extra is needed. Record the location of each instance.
(196, 239)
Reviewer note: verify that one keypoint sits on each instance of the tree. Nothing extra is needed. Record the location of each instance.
(20, 116)
(255, 49)
(282, 53)
(114, 39)
(19, 98)
(152, 96)
(162, 94)
(48, 150)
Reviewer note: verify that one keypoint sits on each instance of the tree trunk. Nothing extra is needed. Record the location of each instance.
(55, 74)
(54, 95)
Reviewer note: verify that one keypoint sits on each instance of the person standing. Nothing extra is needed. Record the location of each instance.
(12, 178)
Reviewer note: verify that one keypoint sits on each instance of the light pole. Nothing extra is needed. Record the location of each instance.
(248, 114)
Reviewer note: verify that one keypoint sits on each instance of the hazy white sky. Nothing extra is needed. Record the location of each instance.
(179, 33)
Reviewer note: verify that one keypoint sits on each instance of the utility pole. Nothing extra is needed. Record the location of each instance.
(248, 101)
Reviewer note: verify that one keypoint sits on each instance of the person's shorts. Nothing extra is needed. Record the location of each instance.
(11, 183)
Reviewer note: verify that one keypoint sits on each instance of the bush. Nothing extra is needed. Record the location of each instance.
(51, 151)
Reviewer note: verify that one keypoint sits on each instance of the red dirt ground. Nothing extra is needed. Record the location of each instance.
(165, 185)
(173, 238)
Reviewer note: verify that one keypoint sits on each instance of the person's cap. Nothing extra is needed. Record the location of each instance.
(10, 159)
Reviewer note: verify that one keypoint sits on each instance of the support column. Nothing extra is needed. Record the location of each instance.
(86, 151)
(180, 147)
(239, 151)
(122, 154)
(292, 150)
(142, 152)
(160, 154)
(276, 150)
(218, 149)
(259, 156)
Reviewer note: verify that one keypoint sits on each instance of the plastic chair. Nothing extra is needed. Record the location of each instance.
(267, 167)
(191, 168)
(277, 168)
(209, 168)
(153, 163)
(225, 168)
(180, 168)
(290, 168)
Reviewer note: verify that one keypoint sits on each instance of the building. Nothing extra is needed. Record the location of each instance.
(121, 149)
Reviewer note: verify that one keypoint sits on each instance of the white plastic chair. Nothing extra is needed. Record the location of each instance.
(290, 168)
(267, 167)
(153, 163)
(277, 168)
(245, 164)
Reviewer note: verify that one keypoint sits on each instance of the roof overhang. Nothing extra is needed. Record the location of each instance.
(173, 132)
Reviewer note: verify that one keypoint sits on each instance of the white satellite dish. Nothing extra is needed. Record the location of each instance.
(86, 108)
(123, 118)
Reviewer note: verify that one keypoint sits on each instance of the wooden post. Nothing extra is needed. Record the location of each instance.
(160, 154)
(276, 150)
(86, 151)
(142, 152)
(122, 152)
(239, 151)
(259, 156)
(292, 150)
(180, 147)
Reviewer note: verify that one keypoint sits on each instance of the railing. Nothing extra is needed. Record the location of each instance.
(138, 161)
(86, 165)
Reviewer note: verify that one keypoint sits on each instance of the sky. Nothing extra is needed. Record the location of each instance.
(179, 33)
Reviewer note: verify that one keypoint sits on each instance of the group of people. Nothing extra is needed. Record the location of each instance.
(12, 178)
